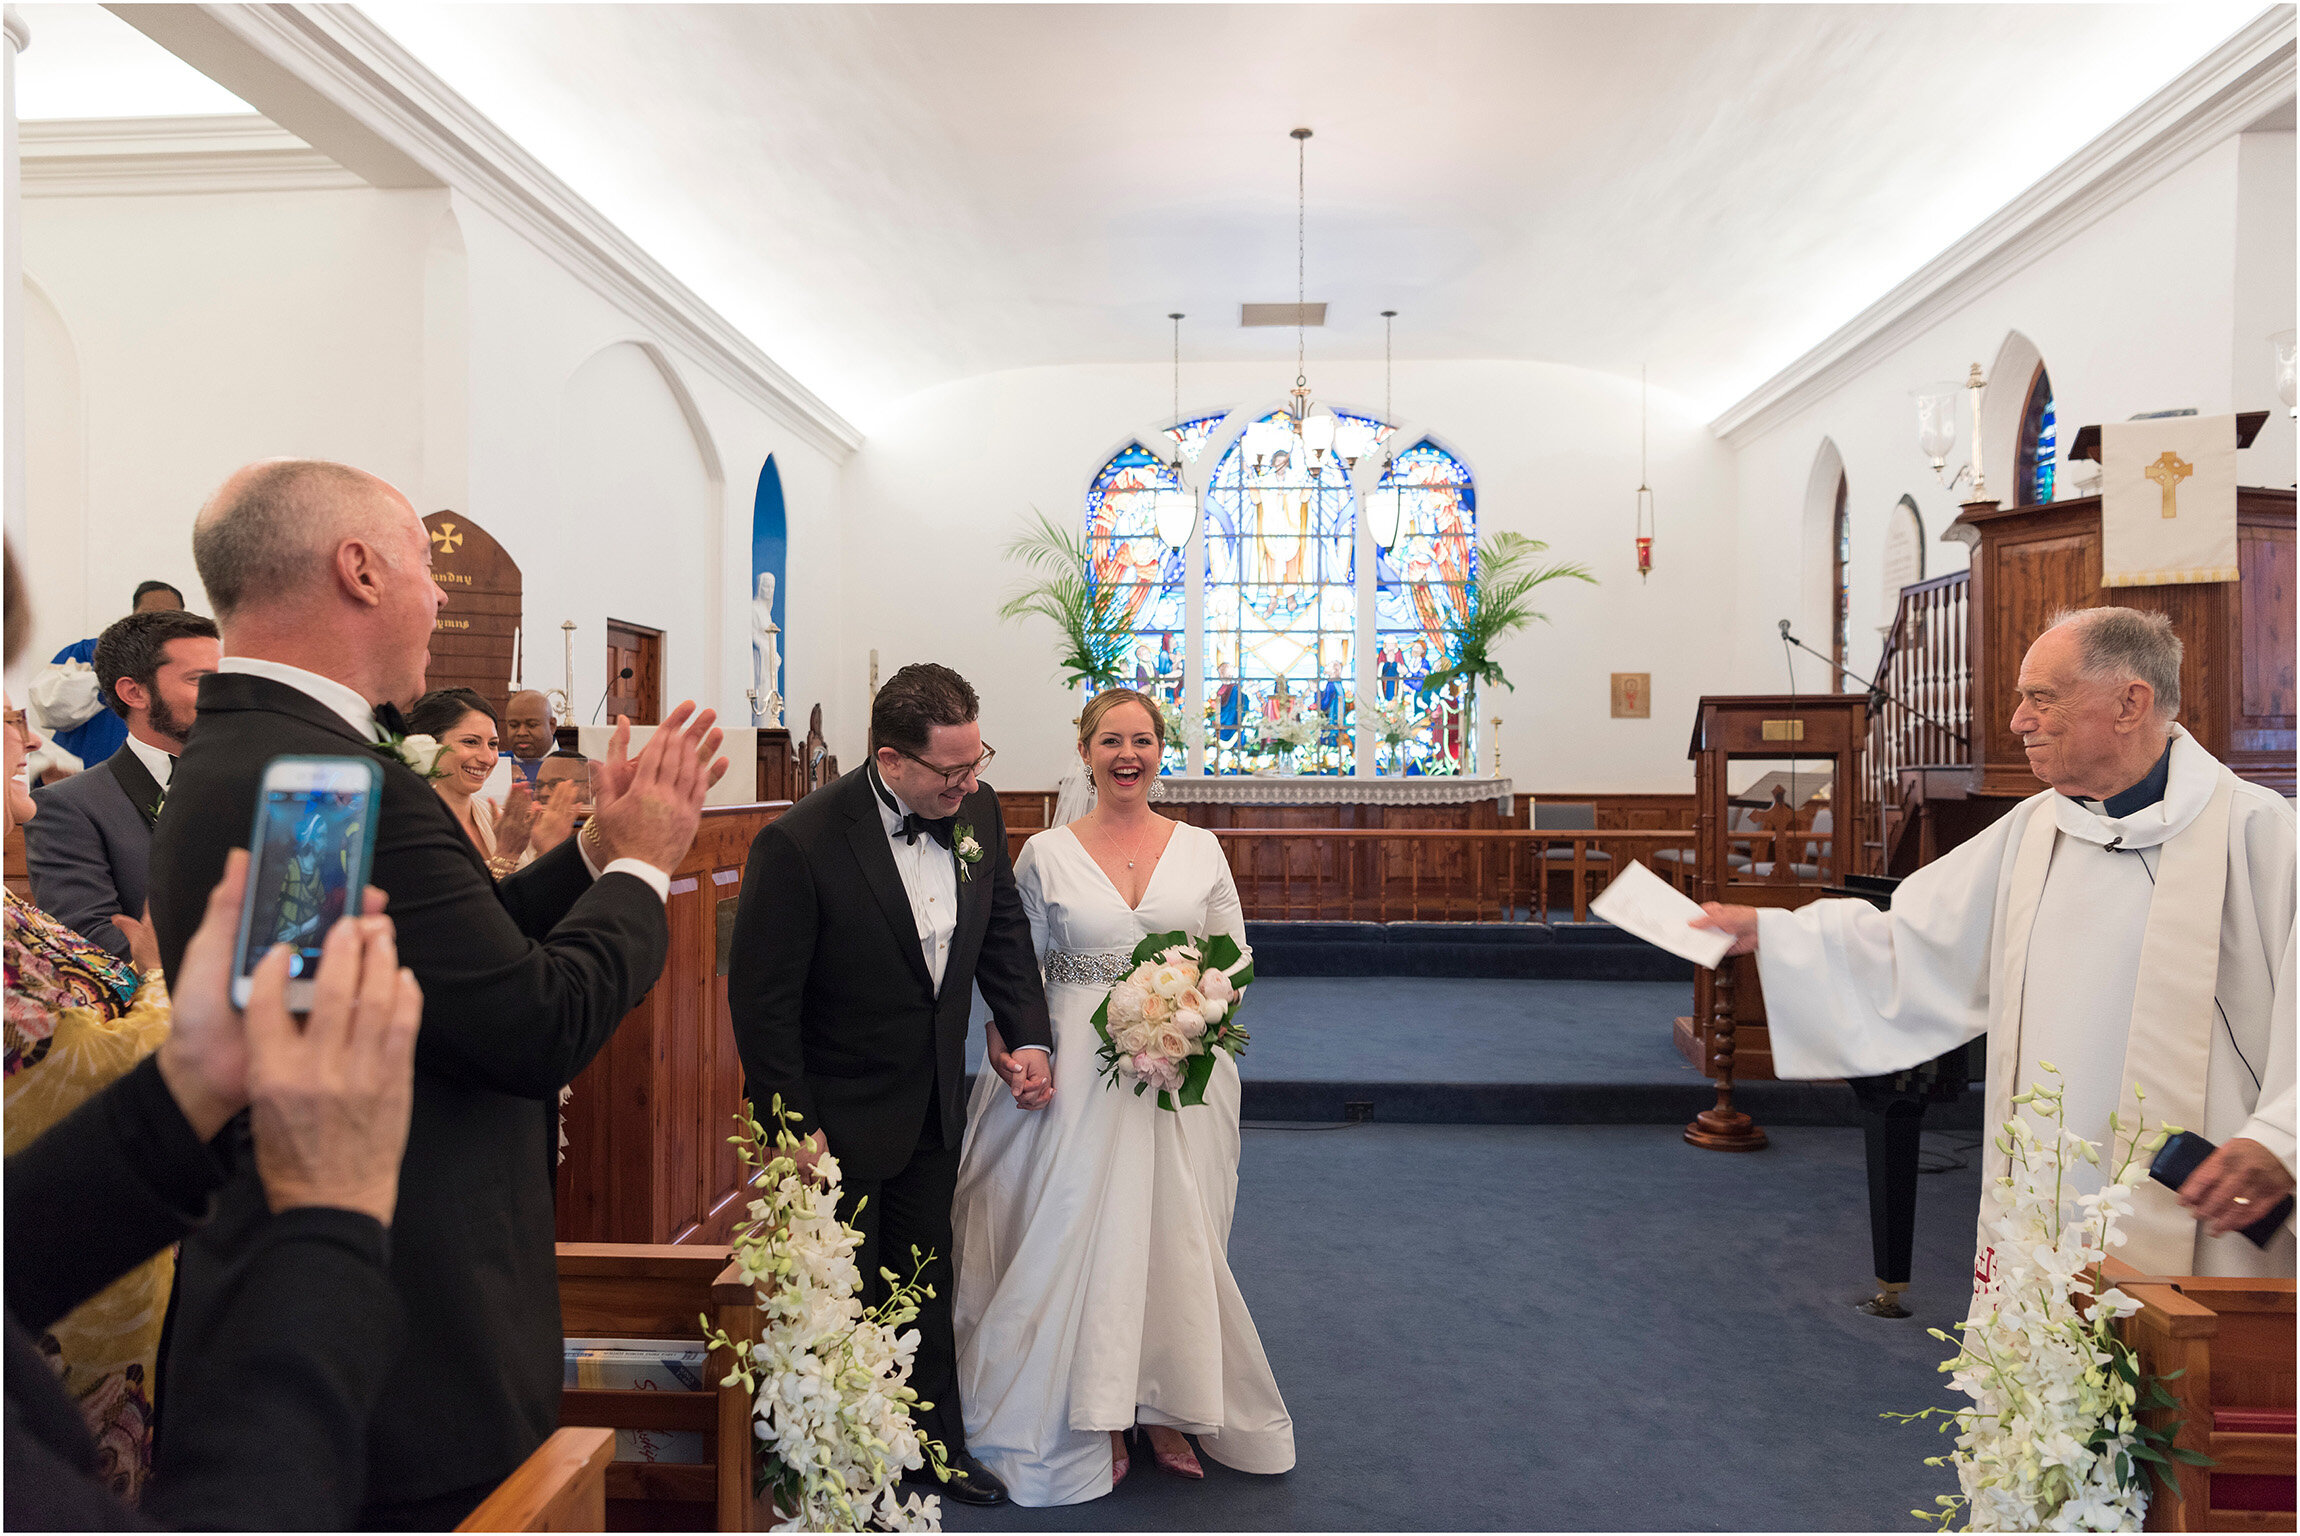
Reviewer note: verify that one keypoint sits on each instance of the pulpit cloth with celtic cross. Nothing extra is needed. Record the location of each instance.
(2168, 501)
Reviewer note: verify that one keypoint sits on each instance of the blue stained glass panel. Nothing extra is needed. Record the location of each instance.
(1127, 553)
(1424, 584)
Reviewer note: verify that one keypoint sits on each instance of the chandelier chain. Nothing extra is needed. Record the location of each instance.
(1301, 254)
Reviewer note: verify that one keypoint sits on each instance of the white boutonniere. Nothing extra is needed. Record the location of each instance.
(968, 848)
(422, 753)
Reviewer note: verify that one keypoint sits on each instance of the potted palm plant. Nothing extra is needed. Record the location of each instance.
(1509, 568)
(1089, 614)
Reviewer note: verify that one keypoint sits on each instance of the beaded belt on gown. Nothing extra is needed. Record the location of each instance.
(1090, 967)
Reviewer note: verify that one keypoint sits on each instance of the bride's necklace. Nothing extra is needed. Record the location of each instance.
(1113, 842)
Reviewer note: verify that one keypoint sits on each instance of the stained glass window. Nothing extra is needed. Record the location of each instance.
(1281, 615)
(1424, 584)
(2038, 445)
(1122, 537)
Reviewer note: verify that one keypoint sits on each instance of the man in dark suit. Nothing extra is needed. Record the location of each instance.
(870, 912)
(88, 849)
(321, 578)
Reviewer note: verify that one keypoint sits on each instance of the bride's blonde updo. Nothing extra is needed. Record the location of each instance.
(1090, 719)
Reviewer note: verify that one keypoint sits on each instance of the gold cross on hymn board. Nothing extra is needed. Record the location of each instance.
(2168, 471)
(446, 538)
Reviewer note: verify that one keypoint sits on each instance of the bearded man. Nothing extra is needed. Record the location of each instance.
(2132, 926)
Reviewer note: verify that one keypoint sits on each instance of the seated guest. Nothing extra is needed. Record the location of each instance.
(78, 1019)
(464, 726)
(320, 575)
(527, 728)
(564, 766)
(94, 732)
(276, 1383)
(87, 851)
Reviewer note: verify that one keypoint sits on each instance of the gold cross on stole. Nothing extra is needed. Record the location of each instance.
(2168, 471)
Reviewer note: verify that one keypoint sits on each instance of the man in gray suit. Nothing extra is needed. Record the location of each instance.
(88, 849)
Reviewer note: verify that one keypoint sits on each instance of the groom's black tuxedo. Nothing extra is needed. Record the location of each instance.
(523, 982)
(834, 1009)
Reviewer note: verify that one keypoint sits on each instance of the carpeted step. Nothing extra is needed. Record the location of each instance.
(1513, 951)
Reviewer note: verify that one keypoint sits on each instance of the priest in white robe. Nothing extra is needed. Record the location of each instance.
(2132, 925)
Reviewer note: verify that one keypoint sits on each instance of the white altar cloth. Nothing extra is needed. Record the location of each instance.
(1322, 789)
(740, 749)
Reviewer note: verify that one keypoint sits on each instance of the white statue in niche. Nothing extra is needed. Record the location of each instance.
(766, 658)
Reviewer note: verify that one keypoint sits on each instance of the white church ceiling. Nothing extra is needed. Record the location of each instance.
(888, 198)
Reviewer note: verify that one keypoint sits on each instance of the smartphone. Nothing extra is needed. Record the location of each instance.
(309, 854)
(2180, 1156)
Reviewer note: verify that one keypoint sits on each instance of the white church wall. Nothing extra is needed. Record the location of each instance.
(953, 474)
(205, 331)
(2132, 313)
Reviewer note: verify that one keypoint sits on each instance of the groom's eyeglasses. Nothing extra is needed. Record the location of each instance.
(951, 777)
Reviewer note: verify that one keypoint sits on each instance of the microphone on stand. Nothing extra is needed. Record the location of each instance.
(626, 672)
(1874, 690)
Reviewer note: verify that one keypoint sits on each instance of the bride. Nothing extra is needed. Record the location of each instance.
(1092, 1237)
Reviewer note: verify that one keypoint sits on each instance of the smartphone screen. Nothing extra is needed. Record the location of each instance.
(314, 837)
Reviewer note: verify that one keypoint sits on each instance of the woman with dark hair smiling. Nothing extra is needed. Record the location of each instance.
(467, 730)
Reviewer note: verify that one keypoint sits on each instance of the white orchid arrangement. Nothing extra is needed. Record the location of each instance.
(1392, 720)
(1180, 726)
(2054, 1440)
(1298, 726)
(829, 1379)
(1162, 1022)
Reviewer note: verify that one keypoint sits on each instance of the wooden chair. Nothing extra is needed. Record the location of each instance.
(562, 1487)
(662, 1291)
(1595, 864)
(2231, 1340)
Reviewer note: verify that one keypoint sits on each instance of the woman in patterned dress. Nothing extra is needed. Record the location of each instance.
(77, 1019)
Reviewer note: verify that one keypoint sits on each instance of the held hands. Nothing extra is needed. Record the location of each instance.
(2235, 1186)
(648, 807)
(1028, 1075)
(1741, 922)
(143, 944)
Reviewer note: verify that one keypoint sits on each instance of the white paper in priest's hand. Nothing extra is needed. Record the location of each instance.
(1639, 901)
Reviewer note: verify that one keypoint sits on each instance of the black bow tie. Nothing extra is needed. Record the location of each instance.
(913, 824)
(389, 720)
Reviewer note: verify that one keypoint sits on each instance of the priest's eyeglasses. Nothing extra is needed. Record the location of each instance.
(952, 777)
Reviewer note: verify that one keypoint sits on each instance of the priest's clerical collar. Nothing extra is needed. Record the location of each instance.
(2141, 796)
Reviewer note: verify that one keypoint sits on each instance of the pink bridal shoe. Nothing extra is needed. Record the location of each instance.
(1120, 1464)
(1180, 1461)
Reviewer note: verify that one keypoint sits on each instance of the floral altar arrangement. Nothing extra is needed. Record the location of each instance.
(829, 1380)
(1162, 1022)
(2054, 1440)
(1393, 720)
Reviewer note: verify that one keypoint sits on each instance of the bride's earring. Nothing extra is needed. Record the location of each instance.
(1093, 787)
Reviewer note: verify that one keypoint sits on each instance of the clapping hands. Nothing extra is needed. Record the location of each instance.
(647, 808)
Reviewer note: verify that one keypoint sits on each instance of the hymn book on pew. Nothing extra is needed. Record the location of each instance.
(1639, 901)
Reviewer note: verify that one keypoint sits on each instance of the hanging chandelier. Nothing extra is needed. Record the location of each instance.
(1309, 436)
(1176, 506)
(1385, 503)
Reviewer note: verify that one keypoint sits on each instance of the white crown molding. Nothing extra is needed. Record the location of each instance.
(2230, 88)
(344, 69)
(157, 156)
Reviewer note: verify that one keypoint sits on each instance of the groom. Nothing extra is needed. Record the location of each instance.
(870, 911)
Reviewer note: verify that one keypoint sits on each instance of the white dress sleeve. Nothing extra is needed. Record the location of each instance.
(1854, 992)
(1224, 912)
(1031, 883)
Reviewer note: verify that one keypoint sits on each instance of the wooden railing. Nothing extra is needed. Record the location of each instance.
(1928, 667)
(1346, 874)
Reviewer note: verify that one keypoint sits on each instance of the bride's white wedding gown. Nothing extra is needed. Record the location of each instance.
(1092, 1236)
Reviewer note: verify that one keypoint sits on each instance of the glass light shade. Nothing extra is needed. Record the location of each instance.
(1385, 508)
(1264, 441)
(1353, 439)
(1177, 514)
(1937, 419)
(1318, 433)
(2283, 342)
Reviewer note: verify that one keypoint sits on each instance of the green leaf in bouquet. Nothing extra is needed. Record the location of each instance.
(1197, 1072)
(1220, 952)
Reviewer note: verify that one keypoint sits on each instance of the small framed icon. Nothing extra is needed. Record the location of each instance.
(1632, 695)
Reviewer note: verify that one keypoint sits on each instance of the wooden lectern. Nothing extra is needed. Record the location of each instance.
(1728, 1006)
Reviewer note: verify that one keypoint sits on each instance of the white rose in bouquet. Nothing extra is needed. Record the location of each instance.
(1126, 1000)
(1157, 1009)
(1170, 1043)
(1134, 1039)
(1170, 981)
(1212, 1012)
(1215, 985)
(1189, 1023)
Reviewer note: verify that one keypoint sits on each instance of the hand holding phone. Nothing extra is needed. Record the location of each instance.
(2241, 1182)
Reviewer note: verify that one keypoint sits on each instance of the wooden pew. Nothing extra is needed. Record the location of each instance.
(562, 1487)
(2231, 1341)
(662, 1291)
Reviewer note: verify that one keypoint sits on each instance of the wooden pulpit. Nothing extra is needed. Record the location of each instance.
(1727, 1023)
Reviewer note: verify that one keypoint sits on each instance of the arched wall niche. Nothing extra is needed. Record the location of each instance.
(642, 519)
(53, 543)
(1817, 543)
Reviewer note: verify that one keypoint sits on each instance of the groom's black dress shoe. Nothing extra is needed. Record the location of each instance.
(970, 1482)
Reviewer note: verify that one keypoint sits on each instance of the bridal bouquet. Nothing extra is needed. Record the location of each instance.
(2054, 1441)
(828, 1379)
(1163, 1021)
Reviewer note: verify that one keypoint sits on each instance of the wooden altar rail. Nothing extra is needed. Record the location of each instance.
(1927, 665)
(1335, 874)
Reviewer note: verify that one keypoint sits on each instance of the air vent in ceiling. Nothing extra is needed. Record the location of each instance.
(1281, 314)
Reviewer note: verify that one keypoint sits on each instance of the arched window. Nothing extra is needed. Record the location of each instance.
(2037, 445)
(1281, 631)
(1841, 584)
(1423, 585)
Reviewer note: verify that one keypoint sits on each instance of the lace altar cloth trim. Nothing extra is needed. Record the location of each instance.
(1259, 789)
(1089, 968)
